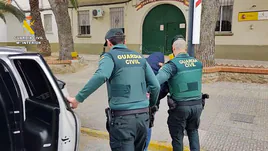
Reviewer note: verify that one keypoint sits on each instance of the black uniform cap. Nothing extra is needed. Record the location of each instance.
(113, 33)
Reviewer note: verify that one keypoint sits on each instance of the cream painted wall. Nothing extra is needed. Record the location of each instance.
(243, 35)
(98, 26)
(133, 21)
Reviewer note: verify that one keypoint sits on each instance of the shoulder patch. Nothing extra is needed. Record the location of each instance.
(101, 58)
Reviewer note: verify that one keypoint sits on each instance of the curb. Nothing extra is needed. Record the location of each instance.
(236, 69)
(154, 145)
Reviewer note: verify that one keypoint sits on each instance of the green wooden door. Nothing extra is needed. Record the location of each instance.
(161, 24)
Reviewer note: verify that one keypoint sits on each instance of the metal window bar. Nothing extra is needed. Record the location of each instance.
(83, 22)
(225, 17)
(117, 17)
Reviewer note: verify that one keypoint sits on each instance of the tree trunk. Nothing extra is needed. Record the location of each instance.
(60, 10)
(206, 49)
(43, 48)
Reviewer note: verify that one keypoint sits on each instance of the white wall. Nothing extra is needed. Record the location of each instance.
(44, 4)
(14, 28)
(3, 31)
(52, 37)
(24, 4)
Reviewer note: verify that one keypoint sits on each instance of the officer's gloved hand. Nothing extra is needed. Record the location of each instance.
(204, 97)
(153, 110)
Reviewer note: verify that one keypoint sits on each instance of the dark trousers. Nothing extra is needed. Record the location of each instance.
(181, 118)
(129, 132)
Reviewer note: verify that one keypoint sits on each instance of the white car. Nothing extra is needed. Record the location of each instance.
(35, 116)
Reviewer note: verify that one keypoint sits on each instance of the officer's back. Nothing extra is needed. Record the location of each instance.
(184, 76)
(127, 75)
(127, 84)
(127, 88)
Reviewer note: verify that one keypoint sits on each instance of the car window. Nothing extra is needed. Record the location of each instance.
(35, 80)
(7, 83)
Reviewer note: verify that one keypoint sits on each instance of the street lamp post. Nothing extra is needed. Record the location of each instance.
(190, 29)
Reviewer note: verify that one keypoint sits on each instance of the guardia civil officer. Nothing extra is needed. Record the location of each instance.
(184, 76)
(127, 75)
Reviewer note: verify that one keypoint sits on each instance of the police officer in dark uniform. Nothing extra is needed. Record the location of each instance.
(127, 75)
(184, 76)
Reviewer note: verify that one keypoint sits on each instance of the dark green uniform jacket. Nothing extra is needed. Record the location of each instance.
(184, 76)
(127, 73)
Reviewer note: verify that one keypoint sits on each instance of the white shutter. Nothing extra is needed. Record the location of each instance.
(48, 23)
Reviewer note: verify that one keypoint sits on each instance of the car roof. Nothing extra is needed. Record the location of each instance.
(11, 50)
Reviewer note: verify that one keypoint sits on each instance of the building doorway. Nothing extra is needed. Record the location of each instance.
(160, 25)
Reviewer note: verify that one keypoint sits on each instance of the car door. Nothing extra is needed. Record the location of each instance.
(50, 122)
(11, 125)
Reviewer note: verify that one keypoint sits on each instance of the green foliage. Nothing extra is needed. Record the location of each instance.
(74, 3)
(2, 16)
(11, 9)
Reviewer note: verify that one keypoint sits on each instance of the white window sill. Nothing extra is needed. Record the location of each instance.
(83, 36)
(224, 33)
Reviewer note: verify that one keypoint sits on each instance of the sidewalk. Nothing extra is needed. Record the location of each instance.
(235, 117)
(88, 143)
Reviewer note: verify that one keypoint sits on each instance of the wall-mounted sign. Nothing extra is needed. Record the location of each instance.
(182, 25)
(161, 27)
(145, 2)
(253, 16)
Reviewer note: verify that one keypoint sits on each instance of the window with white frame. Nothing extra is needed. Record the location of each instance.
(117, 17)
(48, 23)
(83, 22)
(224, 23)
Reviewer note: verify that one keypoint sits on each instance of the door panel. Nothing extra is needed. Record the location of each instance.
(11, 115)
(45, 95)
(155, 39)
(42, 125)
(171, 32)
(42, 108)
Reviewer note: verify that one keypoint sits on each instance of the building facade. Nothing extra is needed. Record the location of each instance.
(149, 25)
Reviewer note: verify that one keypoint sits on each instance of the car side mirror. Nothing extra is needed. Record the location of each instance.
(61, 84)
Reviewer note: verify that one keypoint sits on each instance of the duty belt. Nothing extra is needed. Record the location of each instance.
(129, 112)
(189, 103)
(185, 103)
